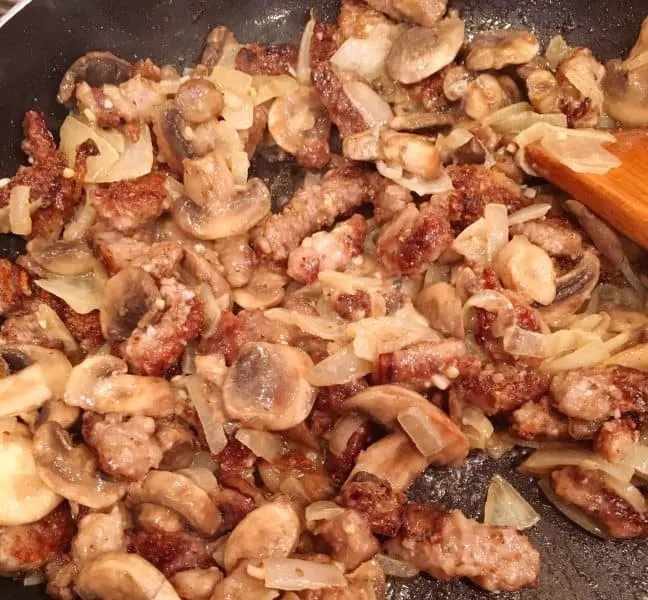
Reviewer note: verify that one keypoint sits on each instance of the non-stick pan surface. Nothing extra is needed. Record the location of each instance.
(37, 46)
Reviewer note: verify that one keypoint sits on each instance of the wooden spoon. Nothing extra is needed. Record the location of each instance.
(620, 197)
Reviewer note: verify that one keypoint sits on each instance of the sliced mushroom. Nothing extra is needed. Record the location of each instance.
(234, 217)
(270, 531)
(266, 387)
(96, 69)
(573, 289)
(500, 48)
(421, 52)
(128, 297)
(239, 585)
(441, 305)
(61, 257)
(264, 290)
(455, 82)
(196, 584)
(387, 403)
(72, 471)
(484, 96)
(101, 384)
(118, 575)
(393, 459)
(208, 180)
(219, 40)
(25, 497)
(206, 267)
(169, 128)
(626, 93)
(38, 374)
(301, 126)
(59, 412)
(238, 259)
(199, 100)
(423, 12)
(181, 494)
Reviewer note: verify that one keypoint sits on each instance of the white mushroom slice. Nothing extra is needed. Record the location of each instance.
(101, 384)
(499, 48)
(527, 269)
(484, 96)
(181, 494)
(208, 180)
(270, 531)
(71, 471)
(423, 12)
(266, 387)
(441, 305)
(118, 575)
(239, 585)
(421, 52)
(264, 290)
(25, 498)
(220, 220)
(196, 584)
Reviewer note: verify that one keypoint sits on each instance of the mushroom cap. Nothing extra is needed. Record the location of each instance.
(118, 575)
(234, 217)
(626, 94)
(266, 387)
(128, 296)
(169, 128)
(421, 52)
(179, 493)
(70, 470)
(270, 531)
(499, 48)
(208, 180)
(199, 100)
(25, 498)
(264, 290)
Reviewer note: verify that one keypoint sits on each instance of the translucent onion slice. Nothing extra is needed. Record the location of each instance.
(374, 110)
(522, 342)
(342, 431)
(81, 293)
(303, 58)
(529, 213)
(20, 222)
(292, 574)
(638, 460)
(494, 302)
(295, 490)
(202, 477)
(627, 492)
(364, 57)
(342, 367)
(231, 79)
(573, 513)
(326, 329)
(472, 243)
(589, 355)
(505, 507)
(268, 87)
(581, 156)
(418, 185)
(476, 426)
(84, 218)
(557, 49)
(209, 419)
(238, 111)
(496, 221)
(421, 430)
(49, 320)
(396, 568)
(323, 510)
(503, 114)
(545, 460)
(268, 446)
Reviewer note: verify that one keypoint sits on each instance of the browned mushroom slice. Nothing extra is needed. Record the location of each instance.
(421, 52)
(441, 305)
(169, 129)
(71, 471)
(96, 69)
(270, 531)
(266, 387)
(264, 290)
(199, 100)
(61, 257)
(626, 94)
(208, 180)
(500, 48)
(423, 12)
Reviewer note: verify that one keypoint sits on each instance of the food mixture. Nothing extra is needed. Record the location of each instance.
(209, 393)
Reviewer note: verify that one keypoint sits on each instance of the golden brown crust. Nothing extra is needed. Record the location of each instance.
(277, 59)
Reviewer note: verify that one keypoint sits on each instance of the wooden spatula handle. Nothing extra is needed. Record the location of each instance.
(620, 196)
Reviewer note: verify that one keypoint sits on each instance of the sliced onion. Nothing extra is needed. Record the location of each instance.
(522, 342)
(494, 302)
(49, 320)
(211, 368)
(295, 490)
(476, 426)
(573, 513)
(364, 57)
(505, 507)
(373, 109)
(557, 49)
(204, 460)
(317, 326)
(414, 183)
(231, 79)
(20, 221)
(524, 120)
(396, 568)
(544, 461)
(457, 138)
(350, 284)
(36, 578)
(268, 446)
(626, 491)
(212, 426)
(82, 294)
(238, 111)
(78, 227)
(496, 219)
(507, 112)
(135, 161)
(421, 430)
(582, 156)
(202, 477)
(497, 446)
(295, 574)
(638, 460)
(323, 510)
(268, 87)
(589, 355)
(634, 358)
(529, 213)
(341, 433)
(437, 273)
(342, 367)
(472, 243)
(303, 58)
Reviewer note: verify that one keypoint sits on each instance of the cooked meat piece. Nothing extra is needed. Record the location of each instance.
(353, 307)
(235, 460)
(416, 237)
(60, 574)
(596, 394)
(423, 12)
(349, 538)
(556, 236)
(196, 584)
(24, 548)
(312, 209)
(325, 42)
(390, 200)
(15, 287)
(586, 489)
(429, 93)
(476, 186)
(498, 388)
(340, 465)
(616, 439)
(324, 251)
(39, 144)
(172, 552)
(98, 533)
(130, 204)
(156, 348)
(126, 449)
(330, 88)
(234, 331)
(233, 506)
(27, 329)
(277, 59)
(449, 545)
(417, 365)
(376, 501)
(537, 420)
(331, 398)
(253, 137)
(499, 48)
(358, 20)
(218, 40)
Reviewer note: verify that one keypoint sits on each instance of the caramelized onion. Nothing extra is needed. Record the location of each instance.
(83, 294)
(476, 426)
(342, 367)
(505, 507)
(529, 213)
(322, 510)
(627, 492)
(396, 568)
(295, 574)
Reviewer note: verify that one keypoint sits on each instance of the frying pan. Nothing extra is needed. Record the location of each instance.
(38, 44)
